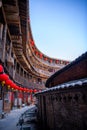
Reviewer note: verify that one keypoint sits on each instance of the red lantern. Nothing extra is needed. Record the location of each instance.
(1, 69)
(17, 87)
(36, 52)
(40, 55)
(20, 88)
(35, 90)
(28, 90)
(8, 82)
(11, 84)
(14, 86)
(31, 90)
(56, 61)
(4, 77)
(45, 58)
(24, 89)
(32, 42)
(50, 61)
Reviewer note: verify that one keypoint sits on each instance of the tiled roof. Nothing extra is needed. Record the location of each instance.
(74, 83)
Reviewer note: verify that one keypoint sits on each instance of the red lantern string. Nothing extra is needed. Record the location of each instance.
(17, 87)
(11, 84)
(21, 88)
(24, 89)
(31, 90)
(14, 86)
(28, 91)
(8, 82)
(1, 69)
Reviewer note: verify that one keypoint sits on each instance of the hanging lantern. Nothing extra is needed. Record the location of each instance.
(16, 87)
(45, 58)
(32, 42)
(13, 85)
(22, 89)
(40, 55)
(35, 90)
(50, 61)
(31, 90)
(8, 82)
(25, 89)
(56, 61)
(4, 77)
(36, 52)
(28, 91)
(1, 69)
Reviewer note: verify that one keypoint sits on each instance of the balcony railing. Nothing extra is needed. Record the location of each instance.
(16, 39)
(29, 83)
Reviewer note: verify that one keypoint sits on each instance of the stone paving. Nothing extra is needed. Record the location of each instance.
(10, 122)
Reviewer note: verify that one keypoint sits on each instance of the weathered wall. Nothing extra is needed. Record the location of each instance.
(64, 109)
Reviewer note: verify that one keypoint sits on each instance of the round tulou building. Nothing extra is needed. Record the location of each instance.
(25, 65)
(28, 76)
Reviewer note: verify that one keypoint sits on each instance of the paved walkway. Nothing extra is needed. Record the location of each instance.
(11, 120)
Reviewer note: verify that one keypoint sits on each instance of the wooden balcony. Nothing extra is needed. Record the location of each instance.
(28, 82)
(17, 39)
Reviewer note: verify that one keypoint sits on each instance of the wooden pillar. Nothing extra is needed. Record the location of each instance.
(1, 33)
(10, 49)
(0, 3)
(14, 70)
(4, 42)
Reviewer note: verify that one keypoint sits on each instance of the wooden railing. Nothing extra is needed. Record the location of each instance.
(28, 82)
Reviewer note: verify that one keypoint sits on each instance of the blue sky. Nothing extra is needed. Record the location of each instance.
(59, 27)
